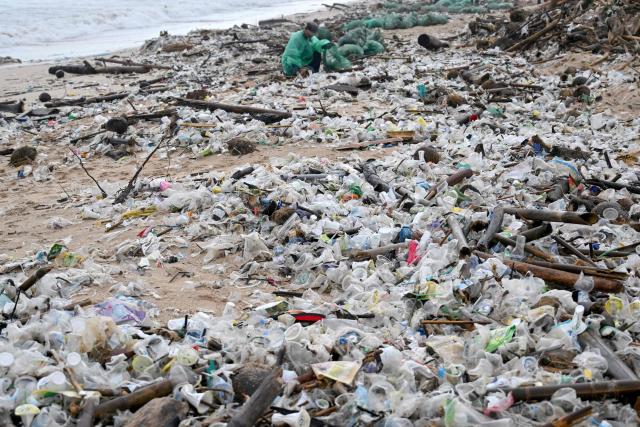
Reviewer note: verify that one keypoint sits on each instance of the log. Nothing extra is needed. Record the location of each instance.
(84, 101)
(615, 185)
(260, 401)
(562, 278)
(587, 271)
(554, 216)
(134, 400)
(88, 69)
(16, 107)
(587, 391)
(240, 109)
(150, 116)
(453, 179)
(494, 226)
(31, 280)
(538, 232)
(372, 178)
(534, 37)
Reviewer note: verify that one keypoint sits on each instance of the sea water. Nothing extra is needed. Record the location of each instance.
(53, 29)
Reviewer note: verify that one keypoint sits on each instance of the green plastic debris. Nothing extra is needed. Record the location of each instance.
(500, 337)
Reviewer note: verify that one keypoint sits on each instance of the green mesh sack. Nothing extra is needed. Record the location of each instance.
(499, 6)
(372, 47)
(324, 34)
(408, 21)
(353, 24)
(334, 61)
(373, 23)
(351, 51)
(431, 19)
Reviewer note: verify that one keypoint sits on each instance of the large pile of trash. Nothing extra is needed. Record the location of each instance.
(483, 271)
(609, 26)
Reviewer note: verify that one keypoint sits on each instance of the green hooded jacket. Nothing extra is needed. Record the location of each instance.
(299, 52)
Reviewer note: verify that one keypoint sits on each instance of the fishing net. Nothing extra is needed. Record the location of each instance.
(334, 61)
(372, 47)
(351, 51)
(466, 6)
(324, 33)
(394, 21)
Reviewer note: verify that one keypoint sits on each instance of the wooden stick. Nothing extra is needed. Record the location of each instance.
(528, 247)
(554, 216)
(88, 413)
(125, 191)
(31, 280)
(573, 250)
(616, 368)
(572, 418)
(245, 42)
(135, 64)
(104, 193)
(240, 109)
(260, 401)
(534, 37)
(84, 101)
(454, 322)
(134, 400)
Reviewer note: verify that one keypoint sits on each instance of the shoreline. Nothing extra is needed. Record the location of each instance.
(180, 33)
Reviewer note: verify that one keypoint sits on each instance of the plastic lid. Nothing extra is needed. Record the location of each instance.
(6, 359)
(610, 214)
(73, 359)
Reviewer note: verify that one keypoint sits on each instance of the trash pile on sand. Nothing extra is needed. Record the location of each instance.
(484, 272)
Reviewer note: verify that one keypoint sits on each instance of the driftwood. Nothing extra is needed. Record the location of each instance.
(88, 69)
(573, 250)
(265, 40)
(240, 109)
(124, 193)
(104, 193)
(553, 216)
(588, 391)
(526, 42)
(132, 118)
(586, 270)
(15, 107)
(31, 280)
(616, 368)
(372, 178)
(88, 414)
(563, 278)
(453, 179)
(538, 232)
(572, 418)
(528, 247)
(351, 90)
(84, 101)
(372, 253)
(364, 145)
(134, 64)
(260, 400)
(134, 400)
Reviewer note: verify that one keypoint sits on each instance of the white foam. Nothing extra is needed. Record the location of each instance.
(47, 29)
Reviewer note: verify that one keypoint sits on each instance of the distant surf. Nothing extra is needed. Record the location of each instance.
(51, 29)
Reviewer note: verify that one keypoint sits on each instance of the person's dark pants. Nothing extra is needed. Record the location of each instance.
(315, 62)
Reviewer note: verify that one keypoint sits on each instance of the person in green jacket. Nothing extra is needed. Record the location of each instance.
(304, 51)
